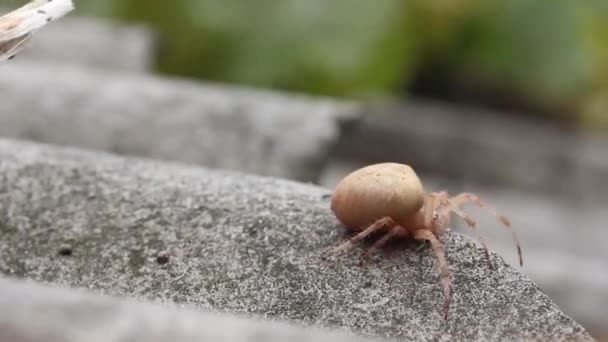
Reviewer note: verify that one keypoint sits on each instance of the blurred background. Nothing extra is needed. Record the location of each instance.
(507, 99)
(549, 59)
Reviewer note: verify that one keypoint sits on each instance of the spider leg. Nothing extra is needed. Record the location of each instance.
(426, 235)
(396, 230)
(429, 209)
(374, 227)
(473, 227)
(469, 197)
(441, 211)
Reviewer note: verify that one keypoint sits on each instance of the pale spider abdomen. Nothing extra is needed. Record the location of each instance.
(380, 190)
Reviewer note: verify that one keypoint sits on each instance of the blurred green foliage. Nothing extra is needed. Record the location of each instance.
(339, 47)
(551, 54)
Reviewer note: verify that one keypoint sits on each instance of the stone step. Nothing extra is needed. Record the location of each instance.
(31, 312)
(218, 126)
(232, 242)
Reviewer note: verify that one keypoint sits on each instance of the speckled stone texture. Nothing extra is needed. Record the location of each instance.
(218, 126)
(230, 242)
(34, 313)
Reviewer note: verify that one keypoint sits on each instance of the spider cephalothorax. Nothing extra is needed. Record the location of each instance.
(389, 198)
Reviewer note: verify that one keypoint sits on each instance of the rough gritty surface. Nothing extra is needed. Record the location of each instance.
(231, 242)
(35, 313)
(217, 126)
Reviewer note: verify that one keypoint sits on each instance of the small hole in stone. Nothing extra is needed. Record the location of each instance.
(162, 258)
(65, 251)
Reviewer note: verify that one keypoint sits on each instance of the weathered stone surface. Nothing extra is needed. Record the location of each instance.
(35, 313)
(94, 43)
(217, 126)
(239, 243)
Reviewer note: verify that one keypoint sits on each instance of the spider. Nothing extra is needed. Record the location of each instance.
(389, 198)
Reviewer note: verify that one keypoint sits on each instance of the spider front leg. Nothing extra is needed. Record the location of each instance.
(374, 227)
(426, 235)
(428, 210)
(469, 197)
(435, 212)
(473, 227)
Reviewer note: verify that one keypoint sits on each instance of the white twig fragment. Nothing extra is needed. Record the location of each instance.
(18, 26)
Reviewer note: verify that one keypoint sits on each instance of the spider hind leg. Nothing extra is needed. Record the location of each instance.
(395, 231)
(373, 228)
